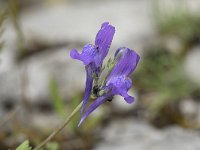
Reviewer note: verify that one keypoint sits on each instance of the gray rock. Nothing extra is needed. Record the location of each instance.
(189, 108)
(55, 65)
(191, 111)
(39, 70)
(82, 20)
(138, 135)
(192, 63)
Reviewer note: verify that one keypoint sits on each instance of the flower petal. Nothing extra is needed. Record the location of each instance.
(88, 87)
(120, 85)
(74, 54)
(93, 106)
(104, 39)
(129, 99)
(88, 55)
(127, 61)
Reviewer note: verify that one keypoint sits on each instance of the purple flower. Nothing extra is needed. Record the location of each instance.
(93, 55)
(118, 81)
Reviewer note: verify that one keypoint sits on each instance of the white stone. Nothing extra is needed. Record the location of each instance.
(192, 64)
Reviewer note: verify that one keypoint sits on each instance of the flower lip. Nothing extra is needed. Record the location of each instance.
(88, 55)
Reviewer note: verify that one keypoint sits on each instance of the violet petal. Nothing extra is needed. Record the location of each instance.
(120, 85)
(127, 61)
(88, 88)
(93, 106)
(88, 55)
(104, 39)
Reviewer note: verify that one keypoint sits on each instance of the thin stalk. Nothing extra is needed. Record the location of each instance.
(60, 128)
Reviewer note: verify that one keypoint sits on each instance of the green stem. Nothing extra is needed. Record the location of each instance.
(54, 133)
(109, 71)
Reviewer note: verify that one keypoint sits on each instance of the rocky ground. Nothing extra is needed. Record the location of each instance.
(136, 134)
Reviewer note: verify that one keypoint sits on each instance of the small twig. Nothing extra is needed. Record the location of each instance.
(54, 133)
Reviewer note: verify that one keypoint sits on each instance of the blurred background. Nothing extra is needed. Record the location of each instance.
(40, 84)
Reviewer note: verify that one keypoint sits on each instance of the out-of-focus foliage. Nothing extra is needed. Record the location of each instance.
(183, 24)
(161, 78)
(52, 146)
(178, 22)
(57, 100)
(11, 9)
(2, 18)
(73, 104)
(24, 146)
(161, 74)
(14, 13)
(92, 122)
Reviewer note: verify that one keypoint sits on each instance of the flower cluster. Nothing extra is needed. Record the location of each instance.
(117, 81)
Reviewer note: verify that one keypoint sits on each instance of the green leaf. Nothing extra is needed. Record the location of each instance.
(24, 146)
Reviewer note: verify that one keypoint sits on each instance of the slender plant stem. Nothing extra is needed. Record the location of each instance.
(54, 133)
